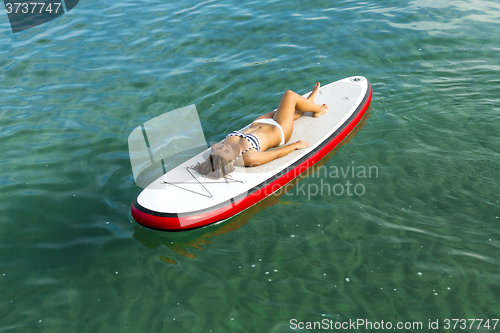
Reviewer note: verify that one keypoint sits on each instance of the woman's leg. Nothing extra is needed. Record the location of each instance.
(272, 113)
(292, 106)
(311, 97)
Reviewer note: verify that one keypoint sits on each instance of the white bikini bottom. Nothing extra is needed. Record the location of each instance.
(271, 121)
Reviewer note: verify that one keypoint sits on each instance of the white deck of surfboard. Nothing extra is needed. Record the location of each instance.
(342, 98)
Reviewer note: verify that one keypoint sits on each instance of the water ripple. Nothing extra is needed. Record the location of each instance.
(421, 239)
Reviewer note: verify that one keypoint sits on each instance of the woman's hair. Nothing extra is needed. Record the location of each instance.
(214, 167)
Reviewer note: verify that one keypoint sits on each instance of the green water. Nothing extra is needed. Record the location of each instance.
(421, 243)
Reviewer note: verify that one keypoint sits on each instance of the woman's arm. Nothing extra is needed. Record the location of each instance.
(259, 158)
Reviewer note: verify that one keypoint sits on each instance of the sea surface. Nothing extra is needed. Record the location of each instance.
(418, 242)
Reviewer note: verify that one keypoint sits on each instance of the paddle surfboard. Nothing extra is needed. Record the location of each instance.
(183, 199)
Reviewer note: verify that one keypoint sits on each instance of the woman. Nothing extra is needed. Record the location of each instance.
(249, 147)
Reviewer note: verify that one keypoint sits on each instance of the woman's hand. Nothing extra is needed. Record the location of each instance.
(301, 144)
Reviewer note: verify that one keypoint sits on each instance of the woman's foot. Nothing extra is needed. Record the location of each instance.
(312, 97)
(315, 92)
(322, 109)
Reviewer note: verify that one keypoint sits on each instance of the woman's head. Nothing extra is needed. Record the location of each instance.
(226, 150)
(215, 166)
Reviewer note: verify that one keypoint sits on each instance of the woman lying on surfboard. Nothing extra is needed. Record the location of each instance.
(249, 147)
